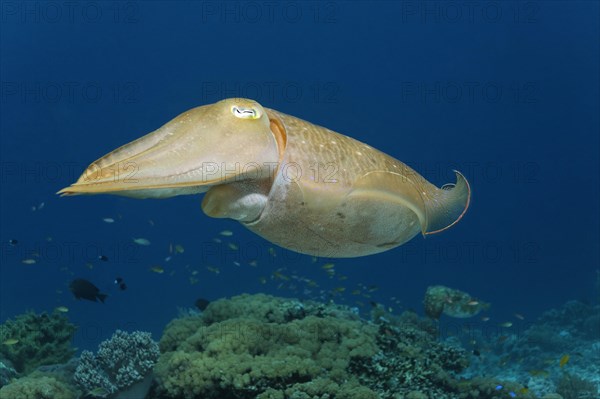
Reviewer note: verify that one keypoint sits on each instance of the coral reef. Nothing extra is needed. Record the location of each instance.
(38, 385)
(533, 356)
(40, 339)
(259, 346)
(573, 387)
(122, 361)
(7, 372)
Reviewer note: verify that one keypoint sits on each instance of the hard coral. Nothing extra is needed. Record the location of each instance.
(121, 361)
(41, 339)
(261, 345)
(37, 387)
(258, 346)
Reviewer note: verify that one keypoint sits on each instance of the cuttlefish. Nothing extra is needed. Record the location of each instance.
(299, 185)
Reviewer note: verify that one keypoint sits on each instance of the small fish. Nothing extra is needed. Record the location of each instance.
(168, 259)
(523, 390)
(13, 242)
(564, 360)
(253, 263)
(151, 222)
(519, 316)
(212, 269)
(473, 303)
(226, 233)
(237, 263)
(272, 252)
(328, 266)
(355, 292)
(108, 220)
(179, 249)
(103, 258)
(157, 269)
(232, 246)
(141, 241)
(512, 394)
(119, 281)
(339, 289)
(506, 324)
(476, 352)
(28, 261)
(262, 280)
(98, 392)
(41, 205)
(62, 309)
(10, 342)
(539, 373)
(89, 265)
(193, 280)
(485, 318)
(217, 240)
(499, 387)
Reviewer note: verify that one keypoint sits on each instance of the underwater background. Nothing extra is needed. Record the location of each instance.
(505, 92)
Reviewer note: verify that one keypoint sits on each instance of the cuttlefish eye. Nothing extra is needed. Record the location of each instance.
(245, 113)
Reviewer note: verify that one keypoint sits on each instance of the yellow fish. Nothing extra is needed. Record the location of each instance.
(564, 360)
(62, 309)
(226, 233)
(157, 269)
(179, 249)
(506, 324)
(328, 266)
(10, 342)
(28, 261)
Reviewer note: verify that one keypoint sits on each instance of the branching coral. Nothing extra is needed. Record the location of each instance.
(121, 361)
(41, 339)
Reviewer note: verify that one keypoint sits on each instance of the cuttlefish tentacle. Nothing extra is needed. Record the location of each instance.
(298, 185)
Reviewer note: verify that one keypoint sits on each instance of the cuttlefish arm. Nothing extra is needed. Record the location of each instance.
(298, 185)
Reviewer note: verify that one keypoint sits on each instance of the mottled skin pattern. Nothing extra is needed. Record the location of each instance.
(327, 195)
(310, 208)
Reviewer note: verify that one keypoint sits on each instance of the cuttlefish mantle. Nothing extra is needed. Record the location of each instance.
(298, 185)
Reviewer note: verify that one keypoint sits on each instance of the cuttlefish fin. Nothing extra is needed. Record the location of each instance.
(437, 209)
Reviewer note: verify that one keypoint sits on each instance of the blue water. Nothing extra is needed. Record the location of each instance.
(505, 92)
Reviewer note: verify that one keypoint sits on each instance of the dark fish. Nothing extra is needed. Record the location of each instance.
(13, 242)
(119, 281)
(202, 303)
(83, 289)
(476, 352)
(103, 258)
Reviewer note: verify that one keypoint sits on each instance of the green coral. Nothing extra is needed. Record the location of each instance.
(260, 345)
(42, 339)
(38, 386)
